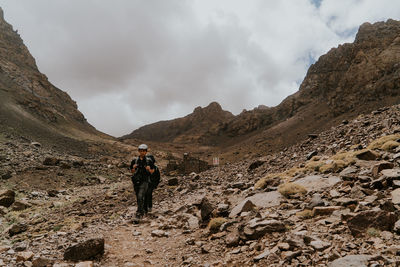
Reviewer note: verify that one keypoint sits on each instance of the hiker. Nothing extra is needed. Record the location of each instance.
(142, 167)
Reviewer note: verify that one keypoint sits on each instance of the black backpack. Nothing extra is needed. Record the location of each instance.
(156, 176)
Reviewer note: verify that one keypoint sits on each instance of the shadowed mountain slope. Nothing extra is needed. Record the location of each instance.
(30, 106)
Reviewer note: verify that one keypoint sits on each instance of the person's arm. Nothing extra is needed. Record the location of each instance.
(133, 166)
(149, 169)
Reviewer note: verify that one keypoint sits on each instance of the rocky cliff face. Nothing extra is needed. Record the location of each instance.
(348, 79)
(30, 105)
(362, 73)
(351, 79)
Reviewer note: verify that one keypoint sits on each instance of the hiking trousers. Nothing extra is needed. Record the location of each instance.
(149, 198)
(141, 190)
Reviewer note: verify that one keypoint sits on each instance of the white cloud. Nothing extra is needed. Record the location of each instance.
(129, 63)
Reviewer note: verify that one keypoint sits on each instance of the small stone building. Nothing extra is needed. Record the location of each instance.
(187, 165)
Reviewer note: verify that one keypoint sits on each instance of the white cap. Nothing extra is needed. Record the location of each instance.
(143, 146)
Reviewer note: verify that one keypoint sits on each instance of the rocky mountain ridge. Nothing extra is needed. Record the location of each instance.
(351, 79)
(188, 129)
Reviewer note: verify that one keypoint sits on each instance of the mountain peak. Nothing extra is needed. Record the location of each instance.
(212, 107)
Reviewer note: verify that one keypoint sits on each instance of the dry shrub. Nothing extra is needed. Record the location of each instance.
(315, 158)
(313, 165)
(390, 145)
(294, 171)
(356, 146)
(263, 182)
(345, 156)
(215, 224)
(289, 189)
(285, 176)
(378, 143)
(333, 166)
(305, 214)
(373, 232)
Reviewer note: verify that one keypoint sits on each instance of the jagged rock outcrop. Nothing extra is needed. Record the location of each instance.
(350, 79)
(191, 128)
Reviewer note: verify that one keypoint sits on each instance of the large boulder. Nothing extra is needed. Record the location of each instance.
(396, 196)
(243, 206)
(17, 228)
(232, 239)
(256, 228)
(20, 205)
(351, 261)
(367, 155)
(377, 168)
(50, 161)
(379, 219)
(7, 198)
(206, 209)
(317, 182)
(260, 200)
(86, 250)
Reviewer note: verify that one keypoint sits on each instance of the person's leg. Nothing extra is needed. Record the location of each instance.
(141, 198)
(148, 199)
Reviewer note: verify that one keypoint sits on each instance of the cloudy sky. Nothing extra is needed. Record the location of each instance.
(128, 63)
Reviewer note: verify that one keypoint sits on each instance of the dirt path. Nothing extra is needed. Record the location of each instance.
(133, 245)
(158, 240)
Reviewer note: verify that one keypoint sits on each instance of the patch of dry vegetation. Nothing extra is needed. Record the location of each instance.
(290, 189)
(335, 163)
(378, 143)
(390, 145)
(305, 214)
(283, 176)
(215, 224)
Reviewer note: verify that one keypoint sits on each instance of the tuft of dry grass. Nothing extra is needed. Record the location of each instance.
(294, 171)
(262, 183)
(373, 232)
(284, 176)
(215, 224)
(333, 166)
(315, 158)
(390, 145)
(289, 189)
(313, 165)
(378, 143)
(305, 214)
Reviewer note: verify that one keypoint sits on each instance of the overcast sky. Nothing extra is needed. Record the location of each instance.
(128, 63)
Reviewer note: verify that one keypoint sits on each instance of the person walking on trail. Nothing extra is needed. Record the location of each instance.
(142, 167)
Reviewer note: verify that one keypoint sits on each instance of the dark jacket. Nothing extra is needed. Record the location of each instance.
(141, 174)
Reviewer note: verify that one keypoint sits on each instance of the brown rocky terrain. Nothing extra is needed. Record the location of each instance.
(351, 79)
(330, 198)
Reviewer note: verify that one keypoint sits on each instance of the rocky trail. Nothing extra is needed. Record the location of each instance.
(333, 200)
